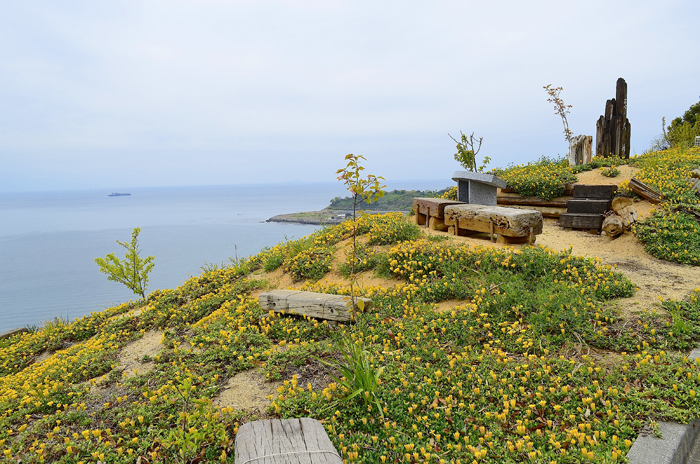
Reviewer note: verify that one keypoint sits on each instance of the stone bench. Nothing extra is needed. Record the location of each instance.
(505, 225)
(430, 212)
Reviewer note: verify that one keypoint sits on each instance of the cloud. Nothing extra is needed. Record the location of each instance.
(259, 82)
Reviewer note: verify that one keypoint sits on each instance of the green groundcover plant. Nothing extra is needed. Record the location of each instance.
(467, 354)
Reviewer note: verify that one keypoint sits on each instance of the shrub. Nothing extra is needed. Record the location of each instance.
(545, 178)
(392, 228)
(311, 263)
(610, 172)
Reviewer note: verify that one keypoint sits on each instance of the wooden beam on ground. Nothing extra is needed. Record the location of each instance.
(595, 192)
(584, 205)
(312, 304)
(581, 221)
(644, 191)
(287, 441)
(515, 199)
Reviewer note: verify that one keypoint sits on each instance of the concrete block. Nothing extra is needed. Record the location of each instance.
(674, 448)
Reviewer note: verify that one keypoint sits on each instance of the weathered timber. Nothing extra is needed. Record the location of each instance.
(695, 173)
(580, 149)
(585, 205)
(619, 203)
(11, 332)
(287, 441)
(515, 199)
(644, 191)
(628, 215)
(437, 224)
(318, 305)
(613, 129)
(581, 221)
(613, 226)
(601, 192)
(495, 220)
(547, 211)
(427, 208)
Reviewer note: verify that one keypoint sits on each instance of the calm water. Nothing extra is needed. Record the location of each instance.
(48, 241)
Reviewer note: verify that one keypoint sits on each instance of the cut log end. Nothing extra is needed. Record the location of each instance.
(613, 225)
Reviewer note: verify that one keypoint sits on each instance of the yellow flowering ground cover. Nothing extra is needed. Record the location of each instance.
(527, 363)
(671, 233)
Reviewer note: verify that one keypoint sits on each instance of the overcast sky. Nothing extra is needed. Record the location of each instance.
(123, 94)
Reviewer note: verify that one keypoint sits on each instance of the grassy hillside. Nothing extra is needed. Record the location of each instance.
(486, 355)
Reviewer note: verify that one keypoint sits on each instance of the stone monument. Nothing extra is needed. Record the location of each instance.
(476, 188)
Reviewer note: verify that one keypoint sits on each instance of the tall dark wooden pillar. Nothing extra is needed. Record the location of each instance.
(613, 129)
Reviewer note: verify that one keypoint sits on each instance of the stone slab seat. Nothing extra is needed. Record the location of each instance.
(430, 212)
(514, 225)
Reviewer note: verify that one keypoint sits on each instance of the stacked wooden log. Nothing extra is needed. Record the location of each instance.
(549, 208)
(586, 209)
(620, 218)
(613, 129)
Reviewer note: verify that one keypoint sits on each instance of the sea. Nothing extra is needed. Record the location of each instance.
(49, 240)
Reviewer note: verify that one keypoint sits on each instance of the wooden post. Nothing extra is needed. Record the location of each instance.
(613, 130)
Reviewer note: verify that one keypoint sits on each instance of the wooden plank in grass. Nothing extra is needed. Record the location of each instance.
(285, 441)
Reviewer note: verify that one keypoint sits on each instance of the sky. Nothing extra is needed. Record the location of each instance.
(119, 94)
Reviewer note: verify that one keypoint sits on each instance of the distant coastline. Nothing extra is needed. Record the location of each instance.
(323, 217)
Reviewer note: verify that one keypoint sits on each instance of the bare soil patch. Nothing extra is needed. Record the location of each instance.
(131, 356)
(249, 391)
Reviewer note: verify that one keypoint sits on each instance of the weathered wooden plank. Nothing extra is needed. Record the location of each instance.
(287, 441)
(433, 207)
(585, 205)
(646, 192)
(581, 221)
(600, 192)
(515, 199)
(436, 223)
(312, 304)
(510, 222)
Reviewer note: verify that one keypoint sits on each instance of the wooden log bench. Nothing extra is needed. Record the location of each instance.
(505, 225)
(287, 441)
(430, 212)
(312, 304)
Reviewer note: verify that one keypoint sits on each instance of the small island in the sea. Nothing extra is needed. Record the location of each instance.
(340, 209)
(117, 194)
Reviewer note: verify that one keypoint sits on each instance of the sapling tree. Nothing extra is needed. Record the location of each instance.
(559, 108)
(367, 188)
(467, 149)
(133, 271)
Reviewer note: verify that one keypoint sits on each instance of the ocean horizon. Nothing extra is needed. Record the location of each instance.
(49, 240)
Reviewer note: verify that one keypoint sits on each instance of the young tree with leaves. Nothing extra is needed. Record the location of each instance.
(133, 271)
(367, 188)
